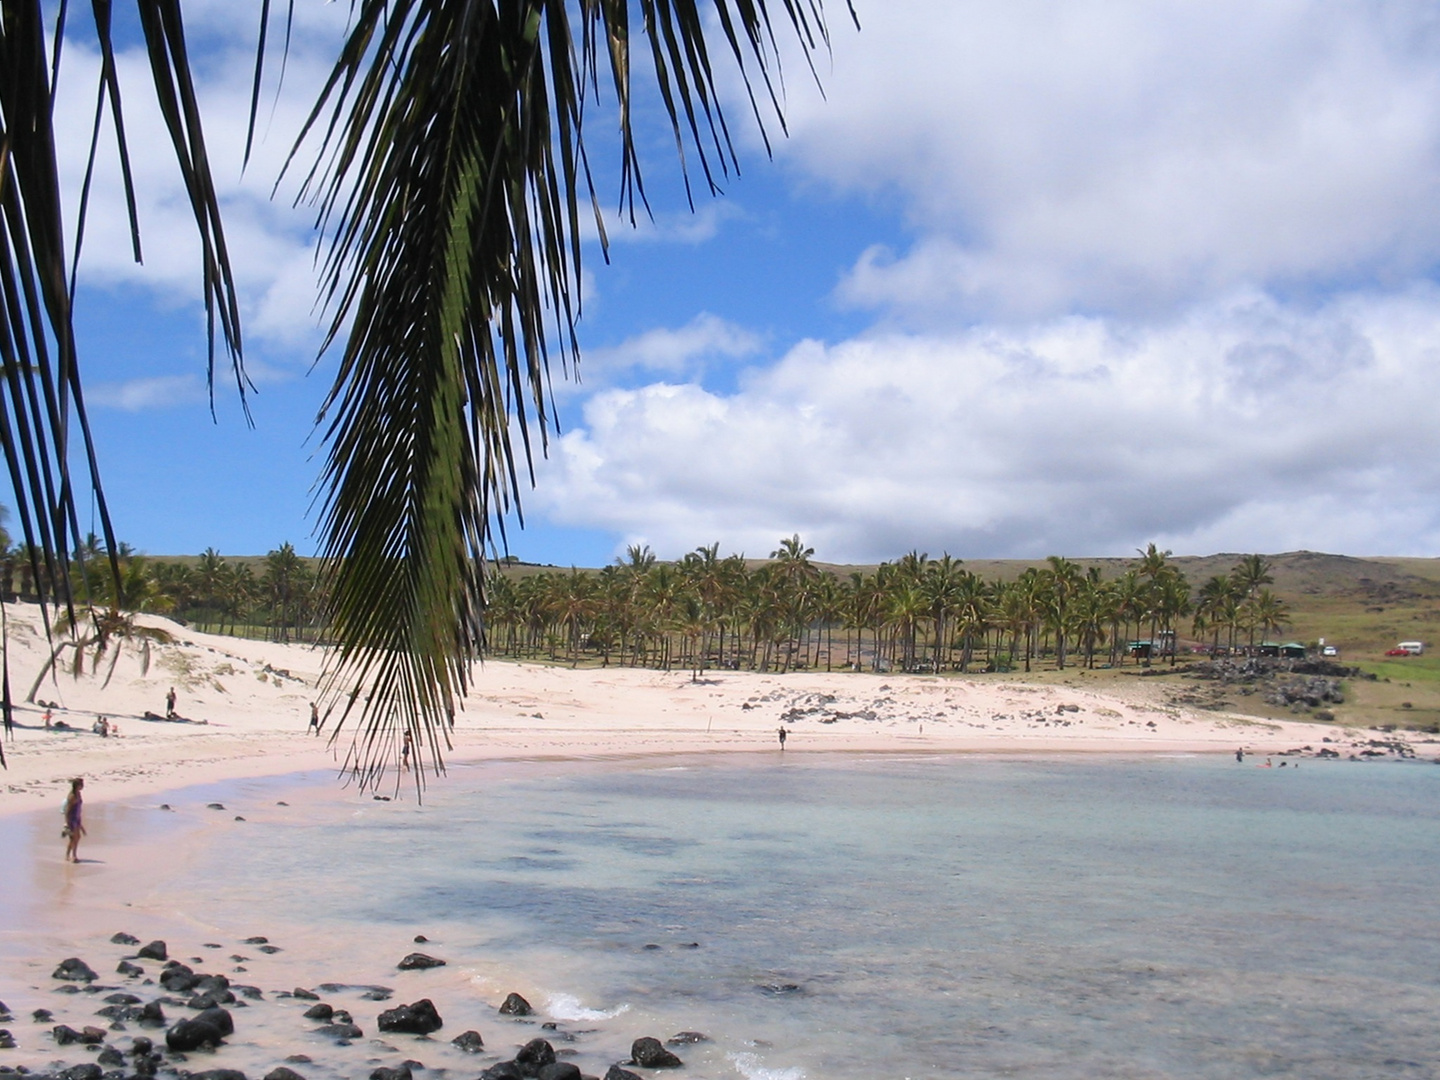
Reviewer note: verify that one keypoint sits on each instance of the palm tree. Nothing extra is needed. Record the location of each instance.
(448, 168)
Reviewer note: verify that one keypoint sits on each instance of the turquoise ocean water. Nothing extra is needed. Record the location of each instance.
(885, 917)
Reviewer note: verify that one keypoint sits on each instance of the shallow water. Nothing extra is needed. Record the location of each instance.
(915, 917)
(859, 918)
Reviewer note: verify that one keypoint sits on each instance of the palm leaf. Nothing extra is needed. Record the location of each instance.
(449, 173)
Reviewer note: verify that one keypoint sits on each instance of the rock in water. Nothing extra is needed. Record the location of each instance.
(617, 1073)
(534, 1056)
(89, 1071)
(220, 1018)
(140, 1046)
(123, 938)
(218, 1074)
(417, 1019)
(341, 1031)
(648, 1053)
(399, 1072)
(193, 1034)
(506, 1070)
(561, 1070)
(156, 950)
(685, 1038)
(282, 1073)
(321, 1011)
(7, 1041)
(75, 970)
(127, 968)
(419, 961)
(469, 1041)
(304, 995)
(65, 1035)
(515, 1005)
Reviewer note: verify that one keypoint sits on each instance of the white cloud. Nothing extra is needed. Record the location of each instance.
(682, 352)
(156, 392)
(1131, 156)
(1240, 425)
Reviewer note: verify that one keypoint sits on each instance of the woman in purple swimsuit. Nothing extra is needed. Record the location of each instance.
(74, 819)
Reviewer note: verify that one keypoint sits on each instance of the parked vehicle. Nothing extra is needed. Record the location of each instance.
(1329, 650)
(1398, 652)
(1412, 648)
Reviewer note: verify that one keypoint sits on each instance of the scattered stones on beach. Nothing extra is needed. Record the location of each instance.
(7, 1041)
(650, 1053)
(342, 1031)
(321, 1011)
(304, 995)
(515, 1005)
(64, 1035)
(282, 1072)
(417, 1019)
(123, 938)
(156, 950)
(419, 961)
(396, 1072)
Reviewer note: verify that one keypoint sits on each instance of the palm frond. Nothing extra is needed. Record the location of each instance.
(449, 173)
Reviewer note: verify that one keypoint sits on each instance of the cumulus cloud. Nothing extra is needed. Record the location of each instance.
(1131, 157)
(1241, 424)
(677, 352)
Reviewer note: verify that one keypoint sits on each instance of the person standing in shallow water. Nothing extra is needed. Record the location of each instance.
(74, 819)
(783, 735)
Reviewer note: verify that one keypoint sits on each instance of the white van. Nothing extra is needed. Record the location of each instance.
(1414, 648)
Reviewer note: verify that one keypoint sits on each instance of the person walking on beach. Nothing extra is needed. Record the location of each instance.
(74, 820)
(170, 704)
(314, 718)
(783, 736)
(405, 745)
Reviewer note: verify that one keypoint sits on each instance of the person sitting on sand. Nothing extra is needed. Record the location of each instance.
(101, 727)
(74, 820)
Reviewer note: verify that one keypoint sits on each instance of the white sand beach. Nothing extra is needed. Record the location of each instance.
(246, 705)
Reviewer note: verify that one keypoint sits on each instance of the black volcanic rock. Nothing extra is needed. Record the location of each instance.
(650, 1054)
(515, 1005)
(417, 1019)
(74, 970)
(419, 961)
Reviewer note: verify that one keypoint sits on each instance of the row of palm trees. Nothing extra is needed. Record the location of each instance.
(914, 614)
(283, 601)
(701, 611)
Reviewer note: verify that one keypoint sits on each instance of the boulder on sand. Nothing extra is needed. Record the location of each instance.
(75, 970)
(419, 961)
(651, 1054)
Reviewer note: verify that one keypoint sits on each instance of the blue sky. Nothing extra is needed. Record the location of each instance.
(1026, 280)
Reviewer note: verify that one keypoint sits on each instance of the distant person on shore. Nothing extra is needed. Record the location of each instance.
(1240, 754)
(783, 736)
(101, 727)
(405, 746)
(314, 718)
(49, 718)
(170, 704)
(74, 820)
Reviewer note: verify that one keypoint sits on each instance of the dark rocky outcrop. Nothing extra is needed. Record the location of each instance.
(341, 1031)
(686, 1038)
(419, 961)
(111, 1058)
(74, 970)
(321, 1011)
(65, 1035)
(417, 1019)
(121, 998)
(617, 1073)
(125, 967)
(123, 938)
(304, 995)
(218, 1074)
(280, 1072)
(141, 1045)
(156, 950)
(506, 1070)
(561, 1070)
(7, 1041)
(397, 1072)
(42, 1016)
(88, 1071)
(258, 939)
(209, 1028)
(650, 1054)
(469, 1041)
(515, 1005)
(534, 1056)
